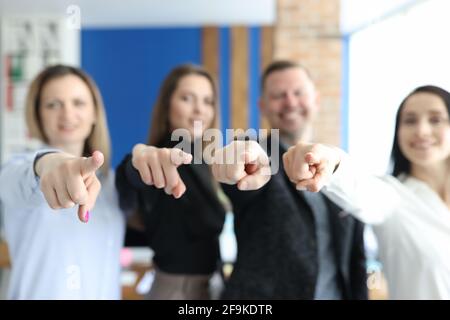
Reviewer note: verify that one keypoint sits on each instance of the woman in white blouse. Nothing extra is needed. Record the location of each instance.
(53, 255)
(410, 209)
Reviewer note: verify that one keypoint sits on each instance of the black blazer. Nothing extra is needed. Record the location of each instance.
(184, 232)
(277, 249)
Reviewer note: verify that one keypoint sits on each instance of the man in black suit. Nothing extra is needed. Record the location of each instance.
(291, 244)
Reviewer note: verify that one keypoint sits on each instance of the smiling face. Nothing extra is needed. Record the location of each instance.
(193, 100)
(290, 101)
(66, 111)
(424, 130)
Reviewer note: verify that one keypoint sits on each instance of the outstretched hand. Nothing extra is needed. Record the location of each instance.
(310, 166)
(67, 181)
(243, 163)
(158, 167)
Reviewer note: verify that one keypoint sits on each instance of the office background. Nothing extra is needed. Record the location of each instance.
(364, 55)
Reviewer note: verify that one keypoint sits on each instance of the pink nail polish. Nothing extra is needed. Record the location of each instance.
(86, 217)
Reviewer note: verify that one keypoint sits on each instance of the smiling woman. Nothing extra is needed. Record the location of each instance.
(177, 201)
(53, 255)
(68, 113)
(423, 132)
(193, 100)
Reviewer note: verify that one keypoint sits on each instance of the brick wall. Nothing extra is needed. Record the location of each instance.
(307, 31)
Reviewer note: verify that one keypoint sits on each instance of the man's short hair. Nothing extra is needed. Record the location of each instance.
(280, 65)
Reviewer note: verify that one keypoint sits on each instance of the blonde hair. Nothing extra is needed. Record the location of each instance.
(98, 139)
(160, 126)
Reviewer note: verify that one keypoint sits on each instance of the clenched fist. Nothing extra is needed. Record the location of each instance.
(67, 181)
(310, 166)
(243, 163)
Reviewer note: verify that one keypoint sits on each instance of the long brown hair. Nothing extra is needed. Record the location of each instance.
(160, 126)
(99, 136)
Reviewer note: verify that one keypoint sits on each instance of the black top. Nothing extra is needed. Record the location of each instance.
(184, 232)
(278, 253)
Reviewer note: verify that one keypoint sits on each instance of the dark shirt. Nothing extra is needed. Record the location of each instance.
(280, 250)
(184, 232)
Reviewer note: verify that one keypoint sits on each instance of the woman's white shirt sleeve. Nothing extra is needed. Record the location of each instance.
(370, 198)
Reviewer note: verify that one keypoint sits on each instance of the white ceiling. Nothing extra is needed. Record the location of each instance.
(132, 13)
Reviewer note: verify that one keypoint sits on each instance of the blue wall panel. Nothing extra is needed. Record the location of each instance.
(129, 65)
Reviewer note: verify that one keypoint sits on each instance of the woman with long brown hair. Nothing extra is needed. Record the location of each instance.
(175, 196)
(53, 255)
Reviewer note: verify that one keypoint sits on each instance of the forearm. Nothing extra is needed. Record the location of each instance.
(127, 176)
(19, 185)
(48, 159)
(128, 183)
